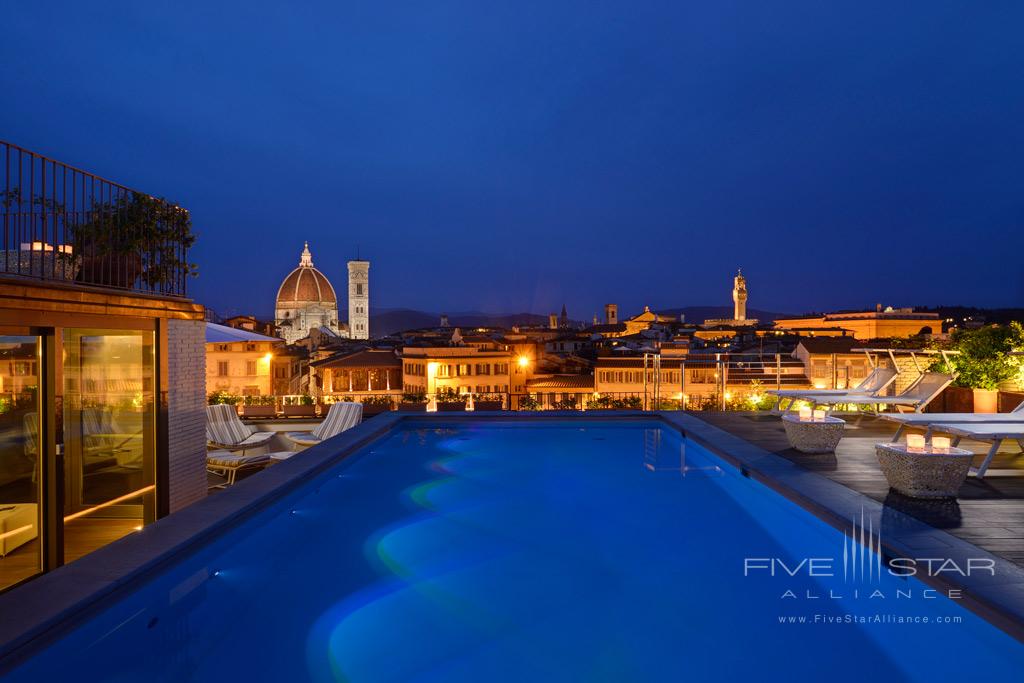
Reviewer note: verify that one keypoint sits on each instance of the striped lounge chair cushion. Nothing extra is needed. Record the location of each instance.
(223, 425)
(225, 459)
(340, 417)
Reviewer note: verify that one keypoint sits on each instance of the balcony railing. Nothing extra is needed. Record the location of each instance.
(62, 224)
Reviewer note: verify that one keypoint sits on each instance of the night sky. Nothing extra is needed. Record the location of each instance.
(512, 156)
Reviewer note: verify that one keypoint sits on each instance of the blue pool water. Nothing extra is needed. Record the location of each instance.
(571, 551)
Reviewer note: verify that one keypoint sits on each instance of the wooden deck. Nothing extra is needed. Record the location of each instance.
(988, 513)
(81, 536)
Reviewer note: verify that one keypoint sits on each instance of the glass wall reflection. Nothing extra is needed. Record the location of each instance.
(109, 436)
(20, 546)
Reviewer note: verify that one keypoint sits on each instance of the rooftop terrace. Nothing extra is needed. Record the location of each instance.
(988, 513)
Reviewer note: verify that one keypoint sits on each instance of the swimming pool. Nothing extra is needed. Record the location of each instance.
(498, 551)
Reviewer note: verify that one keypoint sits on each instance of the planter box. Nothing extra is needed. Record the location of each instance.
(456, 407)
(1008, 400)
(925, 474)
(259, 411)
(298, 411)
(44, 264)
(953, 400)
(370, 411)
(486, 405)
(404, 407)
(986, 400)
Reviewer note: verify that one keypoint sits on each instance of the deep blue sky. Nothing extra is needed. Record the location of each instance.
(510, 156)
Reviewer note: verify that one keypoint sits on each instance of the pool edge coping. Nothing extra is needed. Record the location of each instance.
(84, 586)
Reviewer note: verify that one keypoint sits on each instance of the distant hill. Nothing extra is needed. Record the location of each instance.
(698, 314)
(1001, 316)
(388, 321)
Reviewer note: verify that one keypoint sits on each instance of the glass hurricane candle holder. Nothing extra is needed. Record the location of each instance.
(805, 414)
(940, 444)
(915, 443)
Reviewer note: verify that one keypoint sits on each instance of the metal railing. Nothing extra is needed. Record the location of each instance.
(62, 224)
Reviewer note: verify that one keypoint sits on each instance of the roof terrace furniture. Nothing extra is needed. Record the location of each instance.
(926, 420)
(994, 433)
(813, 435)
(226, 431)
(340, 417)
(924, 472)
(923, 391)
(228, 464)
(877, 381)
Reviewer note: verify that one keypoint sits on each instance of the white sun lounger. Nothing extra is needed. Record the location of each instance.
(996, 433)
(926, 420)
(877, 381)
(918, 395)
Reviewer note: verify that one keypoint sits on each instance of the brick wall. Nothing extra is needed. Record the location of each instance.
(907, 369)
(186, 411)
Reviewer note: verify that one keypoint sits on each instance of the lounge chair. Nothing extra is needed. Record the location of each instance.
(995, 433)
(926, 420)
(228, 464)
(340, 417)
(226, 431)
(877, 381)
(918, 395)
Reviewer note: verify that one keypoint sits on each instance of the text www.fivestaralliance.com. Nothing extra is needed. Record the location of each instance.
(862, 619)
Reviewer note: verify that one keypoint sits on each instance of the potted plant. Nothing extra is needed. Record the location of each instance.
(983, 362)
(413, 402)
(298, 406)
(223, 397)
(375, 405)
(528, 402)
(448, 401)
(600, 403)
(131, 237)
(487, 402)
(565, 404)
(259, 406)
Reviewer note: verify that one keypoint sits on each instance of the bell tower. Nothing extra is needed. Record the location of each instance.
(359, 299)
(739, 296)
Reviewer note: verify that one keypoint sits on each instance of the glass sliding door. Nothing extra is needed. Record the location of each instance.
(20, 480)
(109, 436)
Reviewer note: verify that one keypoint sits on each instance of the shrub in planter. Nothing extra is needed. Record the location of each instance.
(983, 361)
(259, 406)
(223, 397)
(299, 406)
(134, 236)
(375, 405)
(449, 401)
(528, 403)
(413, 403)
(487, 402)
(565, 404)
